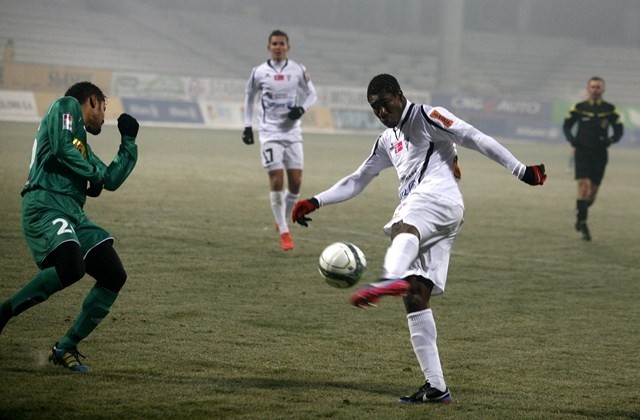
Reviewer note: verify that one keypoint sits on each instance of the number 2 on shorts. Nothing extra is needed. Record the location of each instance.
(64, 226)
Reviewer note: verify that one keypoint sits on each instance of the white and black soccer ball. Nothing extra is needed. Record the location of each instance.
(342, 264)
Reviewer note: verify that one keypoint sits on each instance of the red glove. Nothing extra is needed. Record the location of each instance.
(302, 208)
(534, 175)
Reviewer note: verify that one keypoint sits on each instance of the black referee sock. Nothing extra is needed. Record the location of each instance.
(582, 207)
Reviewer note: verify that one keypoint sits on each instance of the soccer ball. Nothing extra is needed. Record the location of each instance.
(342, 264)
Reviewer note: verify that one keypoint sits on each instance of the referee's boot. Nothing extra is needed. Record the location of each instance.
(581, 226)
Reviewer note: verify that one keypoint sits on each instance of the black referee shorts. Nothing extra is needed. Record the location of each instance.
(590, 163)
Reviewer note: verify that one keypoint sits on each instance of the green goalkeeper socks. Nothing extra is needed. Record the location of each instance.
(43, 285)
(95, 307)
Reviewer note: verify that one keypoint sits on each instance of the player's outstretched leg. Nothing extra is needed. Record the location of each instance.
(369, 295)
(43, 285)
(427, 394)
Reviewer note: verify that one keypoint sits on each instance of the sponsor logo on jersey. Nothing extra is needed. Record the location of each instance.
(67, 122)
(278, 77)
(398, 147)
(444, 120)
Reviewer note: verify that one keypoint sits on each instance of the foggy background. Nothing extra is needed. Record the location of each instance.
(545, 49)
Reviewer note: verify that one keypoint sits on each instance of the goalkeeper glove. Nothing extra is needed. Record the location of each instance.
(534, 175)
(302, 208)
(295, 113)
(95, 188)
(247, 135)
(128, 126)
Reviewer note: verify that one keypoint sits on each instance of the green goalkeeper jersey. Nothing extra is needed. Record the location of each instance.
(62, 162)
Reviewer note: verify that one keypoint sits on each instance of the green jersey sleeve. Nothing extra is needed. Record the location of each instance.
(121, 165)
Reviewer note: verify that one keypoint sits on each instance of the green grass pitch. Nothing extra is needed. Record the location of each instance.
(215, 321)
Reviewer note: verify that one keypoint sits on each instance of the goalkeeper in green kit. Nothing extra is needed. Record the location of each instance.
(65, 244)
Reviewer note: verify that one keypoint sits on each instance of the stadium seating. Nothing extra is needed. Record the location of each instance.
(138, 36)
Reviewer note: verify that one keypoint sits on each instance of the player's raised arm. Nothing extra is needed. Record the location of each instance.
(127, 156)
(470, 137)
(348, 187)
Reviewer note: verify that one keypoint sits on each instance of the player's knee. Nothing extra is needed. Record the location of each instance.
(401, 227)
(294, 188)
(294, 182)
(114, 279)
(104, 265)
(419, 294)
(68, 263)
(70, 273)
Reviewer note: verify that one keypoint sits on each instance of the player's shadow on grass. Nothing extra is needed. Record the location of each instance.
(241, 385)
(301, 384)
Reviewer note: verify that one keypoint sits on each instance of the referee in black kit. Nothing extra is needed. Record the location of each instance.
(598, 127)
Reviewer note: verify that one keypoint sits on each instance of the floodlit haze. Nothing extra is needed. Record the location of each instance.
(540, 48)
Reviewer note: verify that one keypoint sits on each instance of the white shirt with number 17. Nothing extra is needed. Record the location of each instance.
(280, 86)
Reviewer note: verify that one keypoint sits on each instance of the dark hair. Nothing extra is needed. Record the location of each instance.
(84, 90)
(383, 83)
(278, 32)
(597, 78)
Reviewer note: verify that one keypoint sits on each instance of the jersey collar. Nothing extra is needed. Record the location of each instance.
(405, 113)
(278, 65)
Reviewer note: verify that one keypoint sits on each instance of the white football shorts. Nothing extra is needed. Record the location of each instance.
(438, 219)
(279, 154)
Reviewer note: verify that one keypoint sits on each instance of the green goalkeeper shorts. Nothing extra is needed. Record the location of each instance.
(49, 219)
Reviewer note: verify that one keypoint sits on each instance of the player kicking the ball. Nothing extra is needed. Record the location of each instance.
(420, 144)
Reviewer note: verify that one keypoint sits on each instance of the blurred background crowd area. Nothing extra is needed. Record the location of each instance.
(541, 48)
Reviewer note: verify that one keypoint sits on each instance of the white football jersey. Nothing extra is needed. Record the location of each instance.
(278, 85)
(422, 149)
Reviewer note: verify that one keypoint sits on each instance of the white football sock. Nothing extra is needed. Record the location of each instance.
(277, 207)
(422, 327)
(290, 200)
(402, 252)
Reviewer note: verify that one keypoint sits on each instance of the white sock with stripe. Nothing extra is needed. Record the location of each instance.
(277, 207)
(422, 327)
(290, 200)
